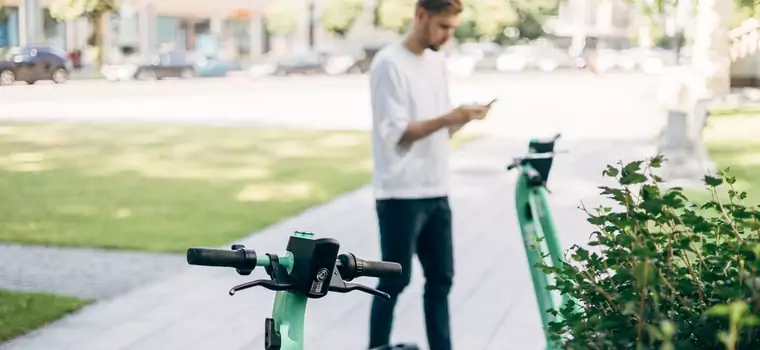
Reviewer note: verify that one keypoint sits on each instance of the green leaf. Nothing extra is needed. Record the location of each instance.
(668, 329)
(633, 167)
(751, 321)
(610, 171)
(654, 331)
(633, 178)
(644, 274)
(656, 162)
(719, 310)
(712, 181)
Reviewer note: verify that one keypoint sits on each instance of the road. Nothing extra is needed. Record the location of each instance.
(578, 104)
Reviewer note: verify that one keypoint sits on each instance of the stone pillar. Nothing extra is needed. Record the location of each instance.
(256, 35)
(711, 47)
(22, 25)
(217, 26)
(147, 29)
(30, 22)
(579, 11)
(107, 51)
(71, 35)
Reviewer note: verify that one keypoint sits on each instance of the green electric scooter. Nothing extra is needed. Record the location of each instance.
(308, 269)
(538, 230)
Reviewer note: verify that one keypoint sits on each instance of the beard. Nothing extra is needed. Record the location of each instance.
(433, 46)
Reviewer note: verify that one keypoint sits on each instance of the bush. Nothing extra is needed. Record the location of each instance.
(281, 19)
(340, 15)
(668, 274)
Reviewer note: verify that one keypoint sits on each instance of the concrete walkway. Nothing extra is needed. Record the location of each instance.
(492, 302)
(80, 272)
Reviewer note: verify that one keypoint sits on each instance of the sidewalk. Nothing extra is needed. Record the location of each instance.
(492, 302)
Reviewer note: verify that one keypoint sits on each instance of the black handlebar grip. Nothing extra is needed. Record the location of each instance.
(220, 257)
(378, 268)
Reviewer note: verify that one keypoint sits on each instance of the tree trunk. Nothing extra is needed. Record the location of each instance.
(96, 37)
(711, 47)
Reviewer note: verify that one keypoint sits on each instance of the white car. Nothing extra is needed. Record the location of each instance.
(513, 59)
(341, 64)
(606, 60)
(462, 65)
(119, 72)
(260, 70)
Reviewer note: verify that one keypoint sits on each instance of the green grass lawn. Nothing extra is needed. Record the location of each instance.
(165, 188)
(744, 110)
(23, 312)
(732, 140)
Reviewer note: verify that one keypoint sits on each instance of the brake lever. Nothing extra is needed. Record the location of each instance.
(268, 284)
(348, 287)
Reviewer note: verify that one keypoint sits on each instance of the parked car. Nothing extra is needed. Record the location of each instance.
(550, 58)
(607, 60)
(176, 64)
(515, 58)
(303, 62)
(165, 65)
(211, 66)
(461, 64)
(34, 63)
(346, 62)
(261, 69)
(485, 54)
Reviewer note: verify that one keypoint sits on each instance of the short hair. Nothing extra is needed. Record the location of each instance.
(452, 7)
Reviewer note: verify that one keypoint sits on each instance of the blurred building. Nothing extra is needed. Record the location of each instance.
(143, 26)
(602, 23)
(147, 26)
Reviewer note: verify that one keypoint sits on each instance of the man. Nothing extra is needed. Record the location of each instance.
(413, 122)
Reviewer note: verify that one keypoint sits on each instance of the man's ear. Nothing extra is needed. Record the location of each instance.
(420, 14)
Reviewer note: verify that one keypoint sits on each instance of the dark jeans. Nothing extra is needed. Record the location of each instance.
(421, 226)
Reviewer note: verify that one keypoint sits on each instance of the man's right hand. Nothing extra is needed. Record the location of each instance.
(465, 114)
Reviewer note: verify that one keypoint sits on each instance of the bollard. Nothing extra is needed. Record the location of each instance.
(681, 139)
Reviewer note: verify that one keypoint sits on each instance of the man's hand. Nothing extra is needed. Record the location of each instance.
(452, 121)
(464, 114)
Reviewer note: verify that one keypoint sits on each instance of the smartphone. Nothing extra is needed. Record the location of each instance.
(492, 101)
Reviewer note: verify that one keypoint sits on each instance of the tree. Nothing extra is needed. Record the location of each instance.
(281, 18)
(489, 17)
(711, 49)
(540, 8)
(532, 16)
(394, 15)
(93, 10)
(340, 15)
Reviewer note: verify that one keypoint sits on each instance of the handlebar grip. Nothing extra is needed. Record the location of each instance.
(220, 257)
(370, 268)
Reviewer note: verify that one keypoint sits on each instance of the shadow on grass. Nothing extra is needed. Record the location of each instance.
(164, 188)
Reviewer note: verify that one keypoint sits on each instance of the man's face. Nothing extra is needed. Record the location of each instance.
(436, 29)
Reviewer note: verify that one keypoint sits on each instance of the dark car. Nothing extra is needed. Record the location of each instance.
(167, 65)
(301, 63)
(34, 63)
